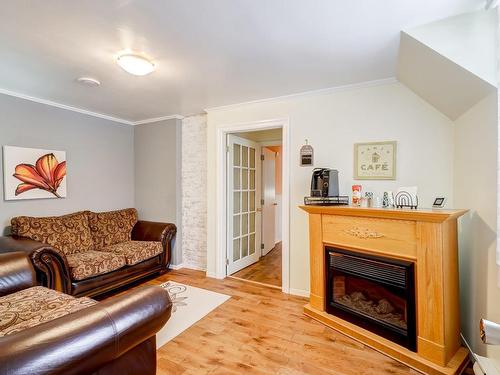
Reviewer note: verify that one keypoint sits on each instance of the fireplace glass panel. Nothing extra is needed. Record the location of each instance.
(371, 300)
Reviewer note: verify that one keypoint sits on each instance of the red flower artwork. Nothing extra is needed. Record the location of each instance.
(47, 174)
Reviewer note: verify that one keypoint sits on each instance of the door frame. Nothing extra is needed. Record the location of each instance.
(221, 188)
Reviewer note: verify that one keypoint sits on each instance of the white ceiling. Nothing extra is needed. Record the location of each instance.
(208, 53)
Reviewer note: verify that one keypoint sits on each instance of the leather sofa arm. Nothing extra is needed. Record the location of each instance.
(13, 243)
(154, 231)
(16, 273)
(50, 264)
(82, 342)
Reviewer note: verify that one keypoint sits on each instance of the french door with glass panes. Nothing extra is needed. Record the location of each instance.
(243, 203)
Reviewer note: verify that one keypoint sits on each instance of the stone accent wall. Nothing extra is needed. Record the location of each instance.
(194, 194)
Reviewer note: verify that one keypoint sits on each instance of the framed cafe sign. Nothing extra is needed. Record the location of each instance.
(375, 161)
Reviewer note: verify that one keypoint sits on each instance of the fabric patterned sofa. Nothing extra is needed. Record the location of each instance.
(87, 253)
(43, 331)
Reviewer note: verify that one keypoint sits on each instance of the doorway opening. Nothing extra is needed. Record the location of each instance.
(254, 209)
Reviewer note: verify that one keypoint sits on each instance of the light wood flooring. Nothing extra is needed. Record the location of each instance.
(260, 330)
(266, 271)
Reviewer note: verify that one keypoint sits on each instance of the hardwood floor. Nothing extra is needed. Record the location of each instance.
(263, 331)
(266, 271)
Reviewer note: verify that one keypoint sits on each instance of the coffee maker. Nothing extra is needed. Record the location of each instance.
(325, 182)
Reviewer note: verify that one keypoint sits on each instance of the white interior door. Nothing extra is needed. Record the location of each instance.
(269, 197)
(243, 210)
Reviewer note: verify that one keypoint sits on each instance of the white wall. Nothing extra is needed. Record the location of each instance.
(157, 175)
(332, 122)
(100, 157)
(476, 189)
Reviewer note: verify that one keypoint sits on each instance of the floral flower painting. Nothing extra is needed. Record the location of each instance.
(33, 173)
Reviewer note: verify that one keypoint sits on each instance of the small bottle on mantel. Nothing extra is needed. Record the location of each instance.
(356, 195)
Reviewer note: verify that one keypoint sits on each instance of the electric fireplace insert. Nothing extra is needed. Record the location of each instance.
(373, 292)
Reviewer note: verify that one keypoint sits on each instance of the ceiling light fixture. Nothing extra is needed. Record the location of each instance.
(89, 81)
(135, 64)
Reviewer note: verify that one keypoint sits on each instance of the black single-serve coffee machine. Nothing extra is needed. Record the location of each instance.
(325, 182)
(325, 188)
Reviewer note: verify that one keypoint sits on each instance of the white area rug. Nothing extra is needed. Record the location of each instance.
(190, 304)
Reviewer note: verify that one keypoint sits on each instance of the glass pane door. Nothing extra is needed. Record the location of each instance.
(243, 196)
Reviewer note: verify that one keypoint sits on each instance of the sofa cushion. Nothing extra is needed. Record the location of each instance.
(33, 306)
(92, 263)
(69, 233)
(136, 251)
(109, 228)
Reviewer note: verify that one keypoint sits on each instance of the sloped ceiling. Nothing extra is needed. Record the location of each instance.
(451, 63)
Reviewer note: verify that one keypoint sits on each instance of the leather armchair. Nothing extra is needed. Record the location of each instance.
(16, 273)
(50, 265)
(116, 336)
(52, 268)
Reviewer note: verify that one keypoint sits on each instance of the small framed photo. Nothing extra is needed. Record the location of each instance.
(439, 202)
(375, 161)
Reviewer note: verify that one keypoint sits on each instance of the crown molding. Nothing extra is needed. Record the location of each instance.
(325, 91)
(65, 106)
(156, 119)
(85, 111)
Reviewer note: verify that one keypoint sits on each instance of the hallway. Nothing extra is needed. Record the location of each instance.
(266, 271)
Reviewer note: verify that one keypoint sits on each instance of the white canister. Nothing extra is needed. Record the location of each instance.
(364, 202)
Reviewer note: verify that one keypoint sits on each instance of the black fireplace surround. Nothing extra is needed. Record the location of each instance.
(373, 292)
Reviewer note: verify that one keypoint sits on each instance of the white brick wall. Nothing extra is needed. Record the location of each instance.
(194, 197)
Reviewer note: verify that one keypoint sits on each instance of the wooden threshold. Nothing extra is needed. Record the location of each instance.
(255, 282)
(455, 366)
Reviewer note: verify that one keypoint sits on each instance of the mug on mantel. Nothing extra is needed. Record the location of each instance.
(388, 199)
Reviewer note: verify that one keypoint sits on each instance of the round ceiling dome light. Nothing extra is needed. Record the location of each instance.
(135, 64)
(89, 81)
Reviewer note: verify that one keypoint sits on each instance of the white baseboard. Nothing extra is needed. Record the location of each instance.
(194, 267)
(213, 275)
(176, 266)
(485, 366)
(187, 265)
(299, 292)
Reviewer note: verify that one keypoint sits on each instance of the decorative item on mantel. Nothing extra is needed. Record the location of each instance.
(356, 195)
(377, 202)
(364, 202)
(439, 202)
(407, 197)
(388, 199)
(369, 198)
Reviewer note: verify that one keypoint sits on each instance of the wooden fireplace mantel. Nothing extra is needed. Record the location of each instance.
(426, 237)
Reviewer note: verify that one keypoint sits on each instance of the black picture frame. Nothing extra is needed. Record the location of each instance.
(439, 202)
